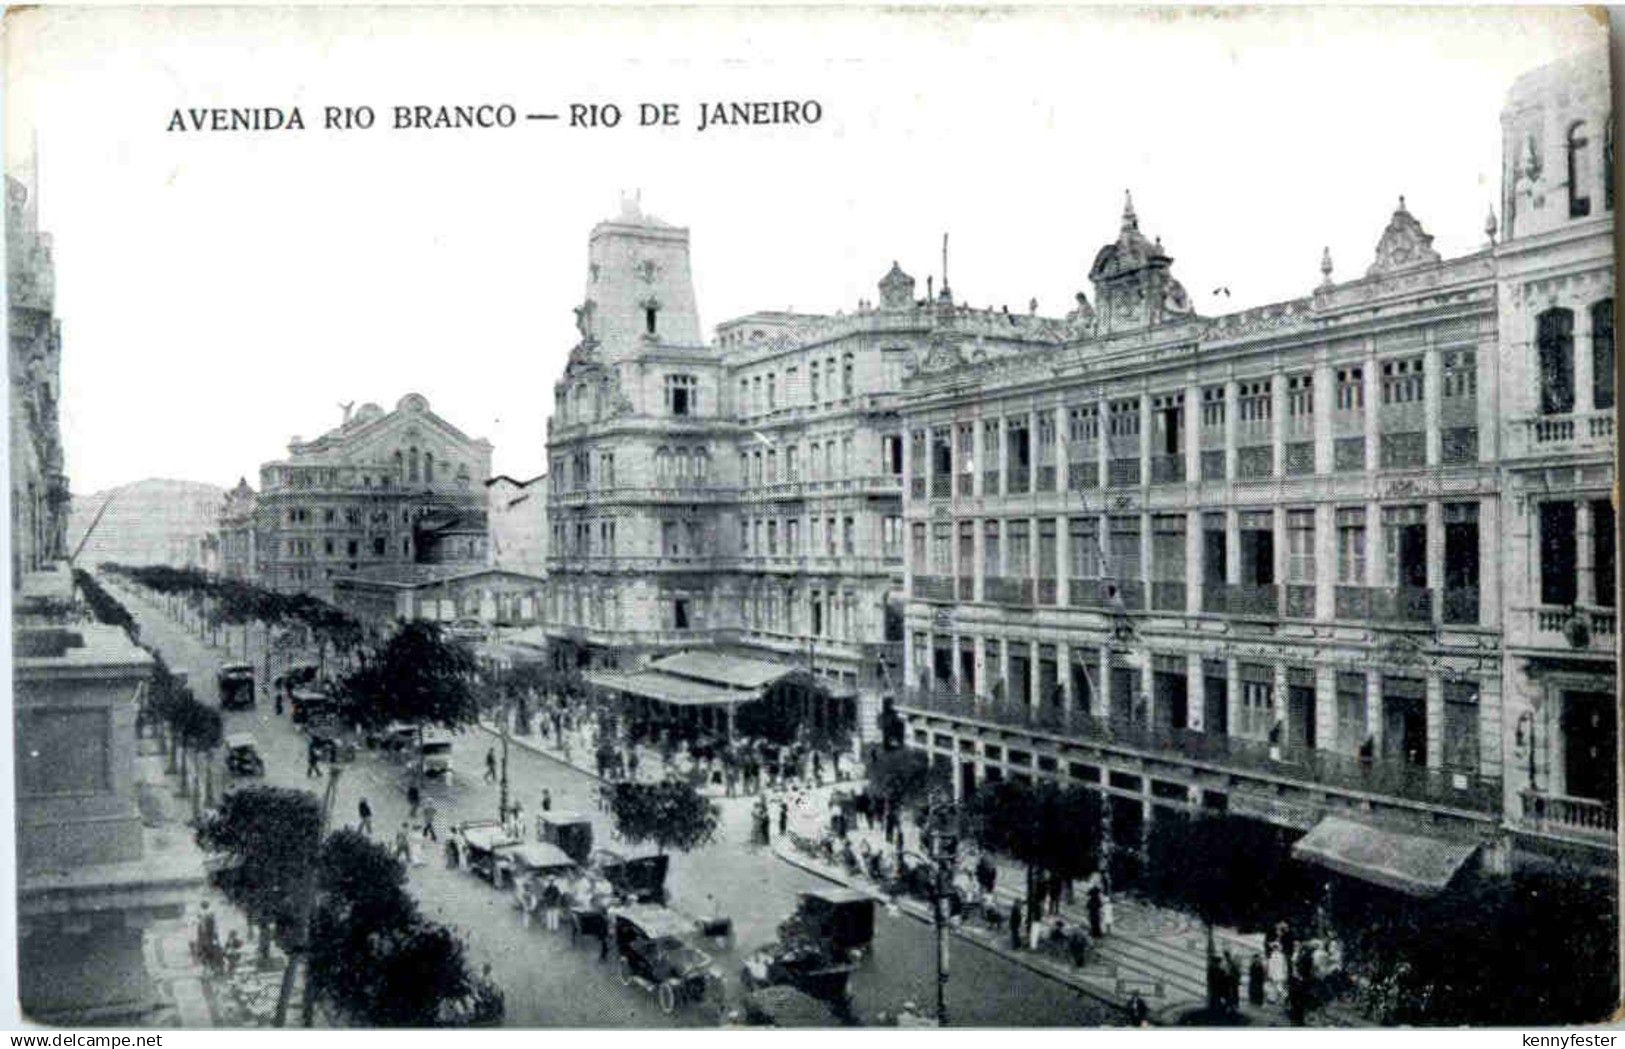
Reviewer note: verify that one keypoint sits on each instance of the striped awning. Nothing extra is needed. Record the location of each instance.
(664, 688)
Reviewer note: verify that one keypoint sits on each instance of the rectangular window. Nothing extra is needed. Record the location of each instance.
(1461, 727)
(1559, 575)
(1020, 548)
(1402, 381)
(1257, 700)
(1405, 544)
(1351, 546)
(1168, 548)
(917, 547)
(1300, 539)
(682, 395)
(772, 391)
(1351, 390)
(1125, 549)
(1083, 539)
(967, 552)
(941, 541)
(849, 537)
(1554, 341)
(1602, 549)
(1458, 374)
(992, 566)
(1602, 355)
(990, 457)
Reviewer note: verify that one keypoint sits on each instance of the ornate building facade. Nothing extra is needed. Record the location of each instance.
(1348, 556)
(40, 500)
(383, 488)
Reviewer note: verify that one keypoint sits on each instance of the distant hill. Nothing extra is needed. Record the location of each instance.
(151, 522)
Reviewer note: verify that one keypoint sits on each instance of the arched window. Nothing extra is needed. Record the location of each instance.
(1602, 354)
(412, 464)
(428, 467)
(846, 376)
(1554, 339)
(398, 472)
(663, 464)
(1579, 202)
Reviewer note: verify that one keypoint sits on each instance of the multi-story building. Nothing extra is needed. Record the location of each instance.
(517, 511)
(743, 495)
(383, 488)
(235, 536)
(1348, 556)
(39, 485)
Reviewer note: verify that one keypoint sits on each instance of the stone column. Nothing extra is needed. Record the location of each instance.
(954, 669)
(1490, 552)
(1585, 554)
(1004, 457)
(1146, 573)
(1325, 402)
(1195, 692)
(1373, 710)
(1145, 439)
(1148, 682)
(978, 436)
(1277, 424)
(1435, 721)
(1278, 707)
(1031, 567)
(1063, 452)
(1193, 561)
(1325, 562)
(1435, 562)
(1232, 546)
(1063, 558)
(1371, 374)
(1063, 677)
(1584, 364)
(1375, 558)
(1103, 681)
(1004, 671)
(1102, 452)
(1278, 526)
(911, 469)
(1431, 395)
(979, 541)
(1231, 407)
(1192, 434)
(1325, 708)
(1232, 687)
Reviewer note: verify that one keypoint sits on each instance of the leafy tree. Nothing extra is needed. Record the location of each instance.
(1226, 870)
(1047, 828)
(903, 778)
(672, 814)
(420, 676)
(1537, 948)
(269, 838)
(375, 960)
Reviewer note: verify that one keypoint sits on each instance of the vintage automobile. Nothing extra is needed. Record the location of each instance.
(641, 878)
(243, 755)
(395, 738)
(818, 947)
(433, 755)
(313, 708)
(473, 846)
(570, 832)
(654, 954)
(236, 682)
(471, 630)
(530, 860)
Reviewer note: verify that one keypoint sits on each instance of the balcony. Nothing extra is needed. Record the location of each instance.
(1046, 478)
(1168, 596)
(1402, 604)
(1019, 478)
(1047, 592)
(1586, 628)
(1576, 432)
(1461, 605)
(1237, 757)
(1167, 469)
(990, 483)
(916, 488)
(941, 486)
(1087, 593)
(967, 588)
(1242, 599)
(1004, 590)
(967, 485)
(1083, 474)
(938, 588)
(1561, 815)
(1300, 601)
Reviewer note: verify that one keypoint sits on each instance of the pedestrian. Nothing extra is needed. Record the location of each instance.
(428, 824)
(1108, 913)
(547, 800)
(1096, 911)
(279, 701)
(1015, 925)
(1232, 982)
(551, 895)
(1256, 978)
(1139, 1014)
(413, 798)
(632, 764)
(365, 811)
(1077, 945)
(491, 765)
(313, 761)
(207, 947)
(818, 769)
(784, 817)
(1035, 933)
(403, 851)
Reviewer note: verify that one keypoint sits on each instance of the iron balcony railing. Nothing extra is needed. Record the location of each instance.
(1167, 469)
(1322, 768)
(934, 588)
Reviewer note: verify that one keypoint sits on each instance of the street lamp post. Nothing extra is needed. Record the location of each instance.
(942, 846)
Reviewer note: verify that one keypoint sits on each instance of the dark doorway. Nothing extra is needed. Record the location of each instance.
(1215, 703)
(1125, 695)
(967, 670)
(1300, 715)
(967, 779)
(1171, 705)
(1404, 722)
(1083, 699)
(1590, 735)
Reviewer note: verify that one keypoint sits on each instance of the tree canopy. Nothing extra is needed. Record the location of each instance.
(672, 814)
(419, 675)
(269, 837)
(903, 777)
(1045, 826)
(1226, 870)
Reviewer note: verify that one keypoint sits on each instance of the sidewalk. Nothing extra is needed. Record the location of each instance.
(1157, 953)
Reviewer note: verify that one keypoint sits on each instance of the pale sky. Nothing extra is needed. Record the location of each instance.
(221, 292)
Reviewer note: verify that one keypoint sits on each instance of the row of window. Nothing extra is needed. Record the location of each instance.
(765, 392)
(577, 538)
(827, 460)
(351, 516)
(819, 612)
(829, 536)
(1099, 683)
(351, 548)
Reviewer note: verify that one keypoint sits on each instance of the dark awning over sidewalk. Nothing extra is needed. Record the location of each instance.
(1414, 864)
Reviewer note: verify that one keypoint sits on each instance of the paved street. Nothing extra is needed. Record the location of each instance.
(546, 981)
